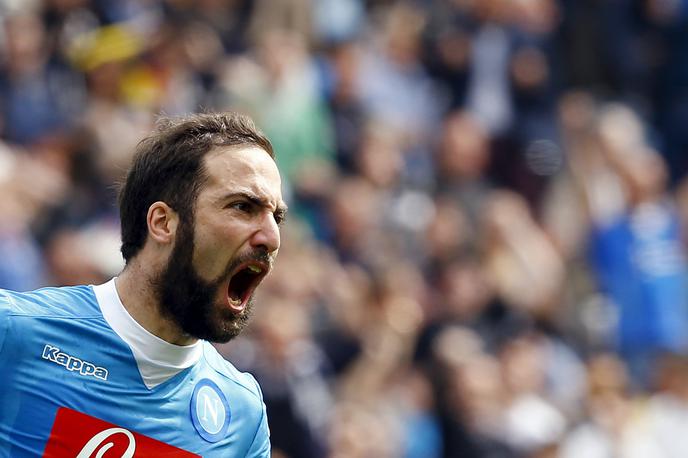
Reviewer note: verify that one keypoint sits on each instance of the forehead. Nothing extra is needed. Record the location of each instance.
(242, 168)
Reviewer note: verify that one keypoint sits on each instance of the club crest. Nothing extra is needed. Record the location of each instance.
(210, 413)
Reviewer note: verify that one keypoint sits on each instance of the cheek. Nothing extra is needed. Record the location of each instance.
(214, 250)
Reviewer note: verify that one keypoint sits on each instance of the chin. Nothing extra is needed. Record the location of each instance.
(226, 325)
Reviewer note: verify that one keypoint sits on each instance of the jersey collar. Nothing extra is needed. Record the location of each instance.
(157, 359)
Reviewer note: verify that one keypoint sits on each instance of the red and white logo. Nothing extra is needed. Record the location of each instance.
(83, 436)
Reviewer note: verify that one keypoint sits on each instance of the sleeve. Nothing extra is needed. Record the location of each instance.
(260, 447)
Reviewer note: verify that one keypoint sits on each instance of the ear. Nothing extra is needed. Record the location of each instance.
(162, 223)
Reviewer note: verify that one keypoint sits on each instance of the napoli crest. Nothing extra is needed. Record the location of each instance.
(210, 413)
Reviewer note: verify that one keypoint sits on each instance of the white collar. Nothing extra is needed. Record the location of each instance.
(157, 359)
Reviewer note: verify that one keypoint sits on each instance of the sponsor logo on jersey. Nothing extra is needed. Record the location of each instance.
(210, 413)
(83, 436)
(72, 363)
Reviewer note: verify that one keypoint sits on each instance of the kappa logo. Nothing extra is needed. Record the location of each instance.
(73, 363)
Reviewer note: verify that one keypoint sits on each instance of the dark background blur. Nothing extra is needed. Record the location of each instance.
(485, 255)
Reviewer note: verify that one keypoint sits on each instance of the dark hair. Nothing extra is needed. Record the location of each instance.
(168, 167)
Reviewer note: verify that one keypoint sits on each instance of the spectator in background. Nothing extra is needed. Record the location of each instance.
(667, 28)
(527, 271)
(462, 162)
(636, 241)
(107, 56)
(25, 265)
(464, 198)
(280, 87)
(601, 432)
(40, 95)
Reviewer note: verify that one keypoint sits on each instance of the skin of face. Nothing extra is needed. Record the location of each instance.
(236, 222)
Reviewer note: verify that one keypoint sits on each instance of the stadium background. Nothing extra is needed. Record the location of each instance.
(485, 254)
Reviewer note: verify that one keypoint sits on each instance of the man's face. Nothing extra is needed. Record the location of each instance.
(219, 259)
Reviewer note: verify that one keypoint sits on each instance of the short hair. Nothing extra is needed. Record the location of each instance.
(168, 167)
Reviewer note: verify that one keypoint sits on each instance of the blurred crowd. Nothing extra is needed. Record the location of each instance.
(486, 250)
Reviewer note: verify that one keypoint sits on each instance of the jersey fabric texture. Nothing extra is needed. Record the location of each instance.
(76, 380)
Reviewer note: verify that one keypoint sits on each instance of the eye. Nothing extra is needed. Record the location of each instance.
(242, 206)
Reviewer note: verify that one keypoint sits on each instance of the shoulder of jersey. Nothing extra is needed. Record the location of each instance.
(231, 374)
(69, 301)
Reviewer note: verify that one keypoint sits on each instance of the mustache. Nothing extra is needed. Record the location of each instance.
(258, 255)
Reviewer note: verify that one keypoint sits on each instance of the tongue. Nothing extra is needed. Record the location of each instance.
(236, 290)
(235, 304)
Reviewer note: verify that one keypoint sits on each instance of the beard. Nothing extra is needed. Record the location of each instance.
(191, 301)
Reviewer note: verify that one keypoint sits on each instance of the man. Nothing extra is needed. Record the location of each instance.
(126, 366)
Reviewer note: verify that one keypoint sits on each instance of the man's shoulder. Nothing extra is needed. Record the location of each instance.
(233, 379)
(244, 401)
(66, 301)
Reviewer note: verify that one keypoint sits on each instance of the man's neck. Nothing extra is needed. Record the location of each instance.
(135, 289)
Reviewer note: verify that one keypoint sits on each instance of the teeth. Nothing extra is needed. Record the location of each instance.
(255, 269)
(236, 302)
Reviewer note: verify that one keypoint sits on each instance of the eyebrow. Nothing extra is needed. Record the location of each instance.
(280, 209)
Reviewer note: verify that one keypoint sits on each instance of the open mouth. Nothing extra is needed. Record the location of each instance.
(242, 284)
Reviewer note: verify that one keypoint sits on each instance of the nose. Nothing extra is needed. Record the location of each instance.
(267, 234)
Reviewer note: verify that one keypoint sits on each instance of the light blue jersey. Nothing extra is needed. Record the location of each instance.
(78, 376)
